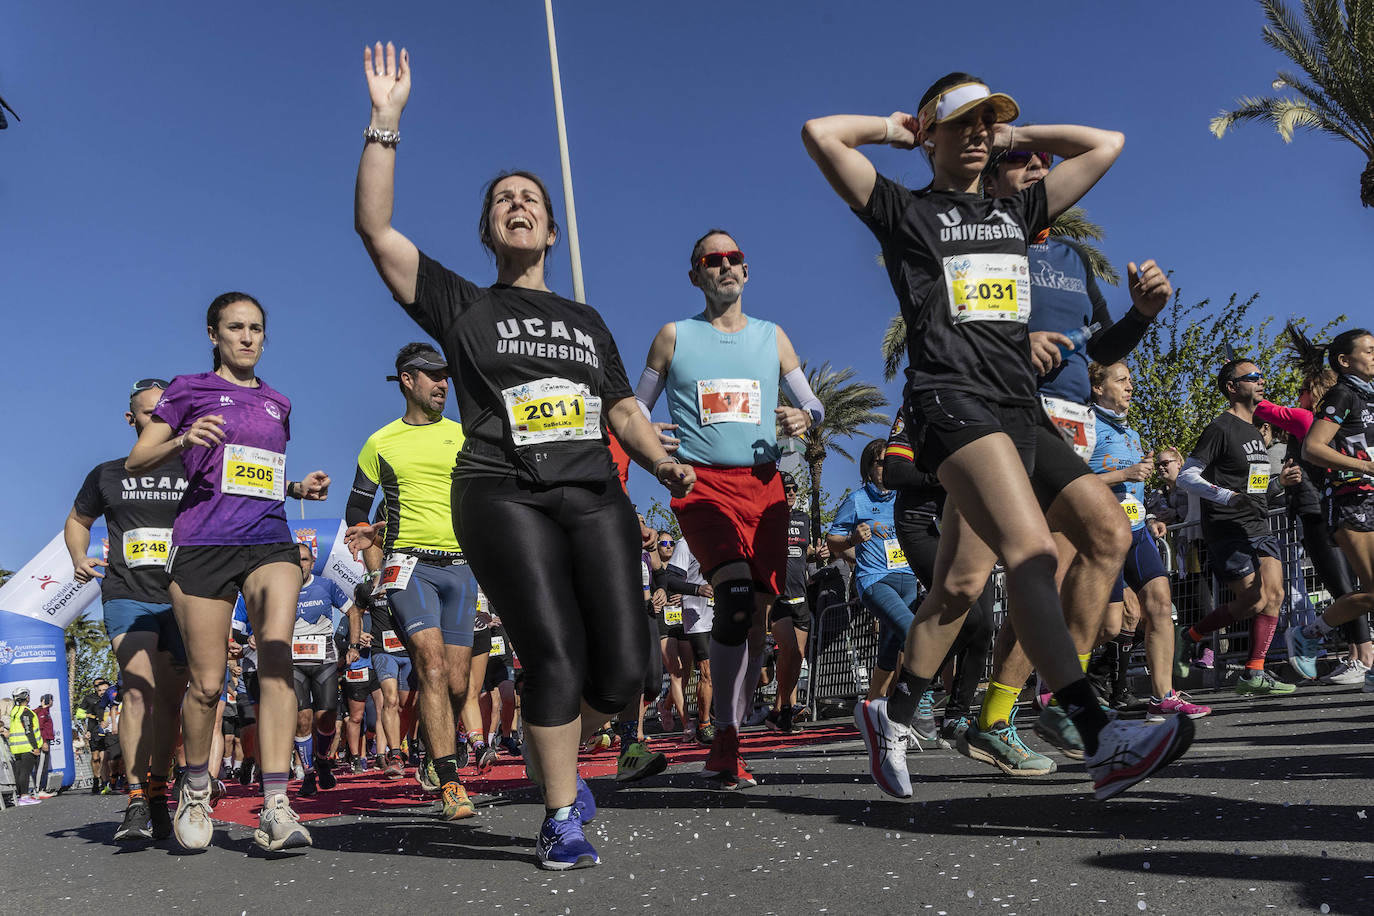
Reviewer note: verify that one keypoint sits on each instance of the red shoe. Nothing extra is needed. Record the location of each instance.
(724, 751)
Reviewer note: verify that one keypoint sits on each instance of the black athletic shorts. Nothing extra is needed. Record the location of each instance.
(701, 646)
(1056, 464)
(317, 685)
(359, 690)
(1354, 512)
(794, 609)
(1236, 557)
(229, 724)
(219, 571)
(481, 642)
(942, 422)
(497, 671)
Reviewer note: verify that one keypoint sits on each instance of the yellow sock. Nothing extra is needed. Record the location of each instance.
(997, 705)
(1083, 661)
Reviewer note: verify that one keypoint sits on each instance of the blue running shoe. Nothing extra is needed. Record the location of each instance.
(586, 802)
(562, 844)
(1302, 651)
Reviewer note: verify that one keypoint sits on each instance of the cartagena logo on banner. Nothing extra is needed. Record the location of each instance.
(17, 654)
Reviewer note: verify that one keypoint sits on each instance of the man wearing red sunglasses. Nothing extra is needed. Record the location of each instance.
(722, 370)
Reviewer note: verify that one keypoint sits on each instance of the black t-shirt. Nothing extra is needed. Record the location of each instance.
(1235, 458)
(529, 368)
(1304, 498)
(958, 265)
(139, 510)
(1354, 411)
(798, 540)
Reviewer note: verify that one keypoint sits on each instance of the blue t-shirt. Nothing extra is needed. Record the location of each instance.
(1118, 446)
(879, 556)
(1063, 299)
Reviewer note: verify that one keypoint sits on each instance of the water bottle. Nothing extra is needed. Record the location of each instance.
(1080, 337)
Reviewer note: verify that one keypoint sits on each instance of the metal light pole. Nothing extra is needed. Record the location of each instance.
(573, 249)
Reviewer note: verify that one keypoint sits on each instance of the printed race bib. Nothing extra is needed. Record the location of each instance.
(552, 410)
(1259, 479)
(896, 556)
(498, 645)
(357, 675)
(397, 571)
(1076, 422)
(988, 287)
(483, 606)
(146, 547)
(308, 648)
(672, 615)
(391, 642)
(1134, 510)
(729, 400)
(255, 472)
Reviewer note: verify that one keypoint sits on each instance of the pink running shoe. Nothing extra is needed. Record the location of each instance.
(1176, 702)
(1205, 660)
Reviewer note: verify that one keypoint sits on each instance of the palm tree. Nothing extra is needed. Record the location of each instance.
(1333, 44)
(1073, 223)
(83, 635)
(848, 406)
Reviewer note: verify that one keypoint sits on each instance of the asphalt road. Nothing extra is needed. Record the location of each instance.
(1266, 814)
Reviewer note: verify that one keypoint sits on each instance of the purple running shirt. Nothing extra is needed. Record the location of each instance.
(237, 489)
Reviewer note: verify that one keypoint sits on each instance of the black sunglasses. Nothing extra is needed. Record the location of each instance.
(716, 258)
(147, 384)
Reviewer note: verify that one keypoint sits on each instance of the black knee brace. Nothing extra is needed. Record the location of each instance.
(734, 612)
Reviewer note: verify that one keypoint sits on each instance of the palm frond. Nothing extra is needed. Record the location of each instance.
(1074, 224)
(894, 347)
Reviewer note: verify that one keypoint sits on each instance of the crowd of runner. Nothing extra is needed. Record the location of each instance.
(512, 531)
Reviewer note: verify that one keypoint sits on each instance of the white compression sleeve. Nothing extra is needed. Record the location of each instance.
(650, 386)
(1190, 481)
(799, 390)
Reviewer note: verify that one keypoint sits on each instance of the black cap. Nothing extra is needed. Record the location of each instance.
(789, 482)
(427, 358)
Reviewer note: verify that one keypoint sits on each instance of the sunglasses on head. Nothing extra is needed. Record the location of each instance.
(147, 384)
(716, 258)
(1020, 156)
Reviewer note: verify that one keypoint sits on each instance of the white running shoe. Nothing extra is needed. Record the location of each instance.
(1350, 673)
(279, 827)
(887, 744)
(193, 825)
(1129, 751)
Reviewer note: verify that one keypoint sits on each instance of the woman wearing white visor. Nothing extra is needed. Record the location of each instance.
(957, 262)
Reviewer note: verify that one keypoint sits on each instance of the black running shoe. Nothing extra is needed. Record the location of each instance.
(160, 816)
(246, 772)
(462, 755)
(137, 824)
(309, 786)
(325, 769)
(486, 757)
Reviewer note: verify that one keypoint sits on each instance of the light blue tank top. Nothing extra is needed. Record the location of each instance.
(722, 391)
(1118, 446)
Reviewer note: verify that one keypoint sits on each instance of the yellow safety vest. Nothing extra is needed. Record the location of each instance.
(19, 739)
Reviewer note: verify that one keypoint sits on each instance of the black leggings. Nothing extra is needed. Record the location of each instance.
(1332, 569)
(25, 766)
(562, 564)
(919, 538)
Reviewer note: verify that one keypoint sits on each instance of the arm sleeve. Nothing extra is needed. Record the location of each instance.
(1116, 341)
(675, 580)
(799, 390)
(1293, 420)
(360, 497)
(1190, 480)
(650, 386)
(88, 500)
(440, 297)
(30, 721)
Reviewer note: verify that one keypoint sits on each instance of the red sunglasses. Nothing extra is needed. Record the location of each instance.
(716, 258)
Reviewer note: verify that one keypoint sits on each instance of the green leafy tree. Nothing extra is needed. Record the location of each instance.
(1073, 224)
(89, 655)
(1332, 43)
(849, 406)
(1174, 368)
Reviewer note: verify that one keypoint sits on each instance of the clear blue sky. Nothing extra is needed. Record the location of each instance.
(171, 152)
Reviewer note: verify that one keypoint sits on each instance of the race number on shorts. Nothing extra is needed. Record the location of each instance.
(498, 645)
(256, 472)
(1134, 510)
(146, 547)
(672, 615)
(988, 287)
(356, 675)
(552, 410)
(896, 556)
(1076, 422)
(396, 572)
(391, 642)
(729, 400)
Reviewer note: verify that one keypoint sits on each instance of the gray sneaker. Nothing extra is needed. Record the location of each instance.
(1055, 726)
(1002, 747)
(279, 827)
(192, 825)
(1350, 673)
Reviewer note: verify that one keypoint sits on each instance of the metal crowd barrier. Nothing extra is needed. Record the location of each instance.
(844, 642)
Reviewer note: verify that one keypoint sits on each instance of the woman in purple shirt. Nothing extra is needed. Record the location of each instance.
(230, 536)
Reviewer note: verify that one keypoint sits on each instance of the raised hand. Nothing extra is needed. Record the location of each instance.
(388, 83)
(904, 129)
(1150, 288)
(362, 536)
